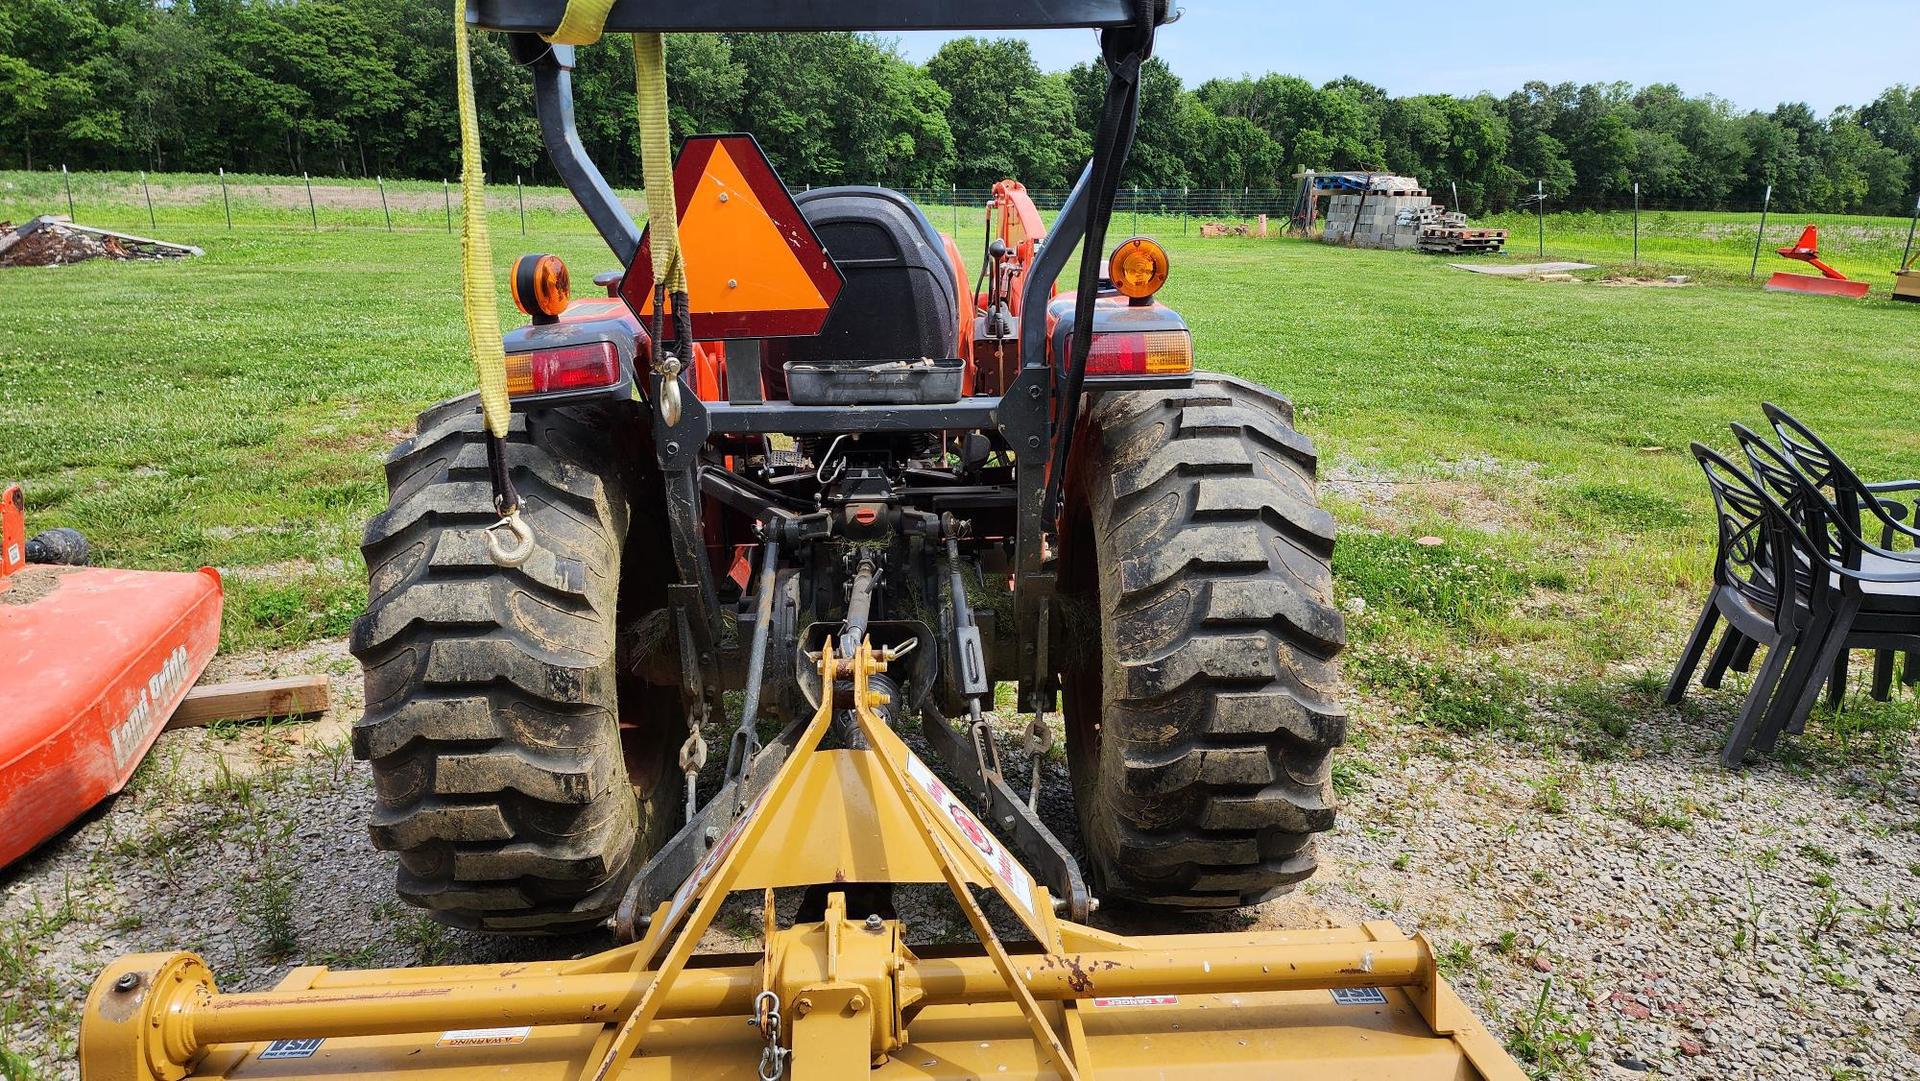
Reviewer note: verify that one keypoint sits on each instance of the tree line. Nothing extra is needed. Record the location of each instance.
(365, 87)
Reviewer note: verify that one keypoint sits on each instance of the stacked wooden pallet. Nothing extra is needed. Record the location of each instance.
(1456, 240)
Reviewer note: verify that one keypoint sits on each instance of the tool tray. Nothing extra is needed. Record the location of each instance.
(876, 382)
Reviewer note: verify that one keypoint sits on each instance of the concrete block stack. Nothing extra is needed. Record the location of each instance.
(1388, 215)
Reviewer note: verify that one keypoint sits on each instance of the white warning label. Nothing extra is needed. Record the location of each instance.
(1018, 883)
(485, 1037)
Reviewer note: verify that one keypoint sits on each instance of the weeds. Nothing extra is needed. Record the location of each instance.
(1483, 700)
(432, 942)
(1635, 509)
(1548, 795)
(1455, 960)
(1446, 583)
(1548, 1042)
(1651, 814)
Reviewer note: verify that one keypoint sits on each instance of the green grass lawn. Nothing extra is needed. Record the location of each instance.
(232, 410)
(1717, 244)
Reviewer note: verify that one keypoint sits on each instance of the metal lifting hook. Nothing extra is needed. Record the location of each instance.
(512, 525)
(669, 372)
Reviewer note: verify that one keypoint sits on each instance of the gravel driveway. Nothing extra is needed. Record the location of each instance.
(1646, 914)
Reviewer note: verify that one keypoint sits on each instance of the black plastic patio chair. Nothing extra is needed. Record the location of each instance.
(1746, 593)
(1857, 596)
(1857, 501)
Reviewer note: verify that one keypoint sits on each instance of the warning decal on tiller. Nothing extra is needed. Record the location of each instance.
(1014, 877)
(485, 1037)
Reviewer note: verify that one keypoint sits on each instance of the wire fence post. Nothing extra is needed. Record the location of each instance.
(1906, 257)
(149, 194)
(381, 183)
(66, 179)
(446, 191)
(1540, 212)
(1136, 210)
(1185, 198)
(1766, 203)
(955, 195)
(522, 193)
(1636, 223)
(311, 212)
(225, 203)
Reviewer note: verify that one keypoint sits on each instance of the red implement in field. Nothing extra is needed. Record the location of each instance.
(1832, 283)
(92, 663)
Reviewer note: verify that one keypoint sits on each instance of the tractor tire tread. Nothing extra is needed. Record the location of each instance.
(1220, 641)
(491, 722)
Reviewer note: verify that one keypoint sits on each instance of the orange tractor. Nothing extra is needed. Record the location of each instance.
(790, 487)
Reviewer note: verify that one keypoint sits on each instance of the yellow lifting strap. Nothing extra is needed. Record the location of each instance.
(582, 23)
(656, 161)
(478, 292)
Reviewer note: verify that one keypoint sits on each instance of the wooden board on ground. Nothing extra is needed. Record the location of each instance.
(293, 696)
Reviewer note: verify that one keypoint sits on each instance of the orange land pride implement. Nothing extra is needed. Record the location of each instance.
(92, 663)
(836, 997)
(1830, 283)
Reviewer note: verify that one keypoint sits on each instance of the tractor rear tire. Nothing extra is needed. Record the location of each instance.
(1199, 736)
(492, 721)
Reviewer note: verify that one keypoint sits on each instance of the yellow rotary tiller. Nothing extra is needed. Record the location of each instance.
(834, 998)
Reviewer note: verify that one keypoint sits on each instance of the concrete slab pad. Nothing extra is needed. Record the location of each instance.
(1522, 270)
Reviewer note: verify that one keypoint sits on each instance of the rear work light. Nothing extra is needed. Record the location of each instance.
(540, 287)
(1141, 352)
(573, 367)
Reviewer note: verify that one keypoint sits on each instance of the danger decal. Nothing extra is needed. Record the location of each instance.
(1017, 883)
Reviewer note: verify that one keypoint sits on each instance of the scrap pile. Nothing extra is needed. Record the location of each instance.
(1446, 232)
(52, 240)
(1396, 212)
(1221, 228)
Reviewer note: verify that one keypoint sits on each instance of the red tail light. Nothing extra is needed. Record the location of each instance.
(1150, 352)
(574, 367)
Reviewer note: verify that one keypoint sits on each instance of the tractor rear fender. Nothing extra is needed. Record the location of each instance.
(573, 353)
(1113, 315)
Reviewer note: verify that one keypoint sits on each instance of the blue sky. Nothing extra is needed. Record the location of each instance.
(1755, 53)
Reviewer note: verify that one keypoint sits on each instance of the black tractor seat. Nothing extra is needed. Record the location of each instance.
(900, 300)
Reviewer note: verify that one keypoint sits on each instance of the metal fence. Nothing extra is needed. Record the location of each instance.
(1642, 227)
(324, 203)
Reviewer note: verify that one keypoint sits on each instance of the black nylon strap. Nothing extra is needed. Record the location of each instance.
(506, 499)
(1125, 51)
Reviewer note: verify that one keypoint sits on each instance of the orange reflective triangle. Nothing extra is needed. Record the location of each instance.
(755, 268)
(737, 259)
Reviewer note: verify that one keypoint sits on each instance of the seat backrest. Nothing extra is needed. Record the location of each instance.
(1805, 504)
(1749, 543)
(1824, 466)
(899, 299)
